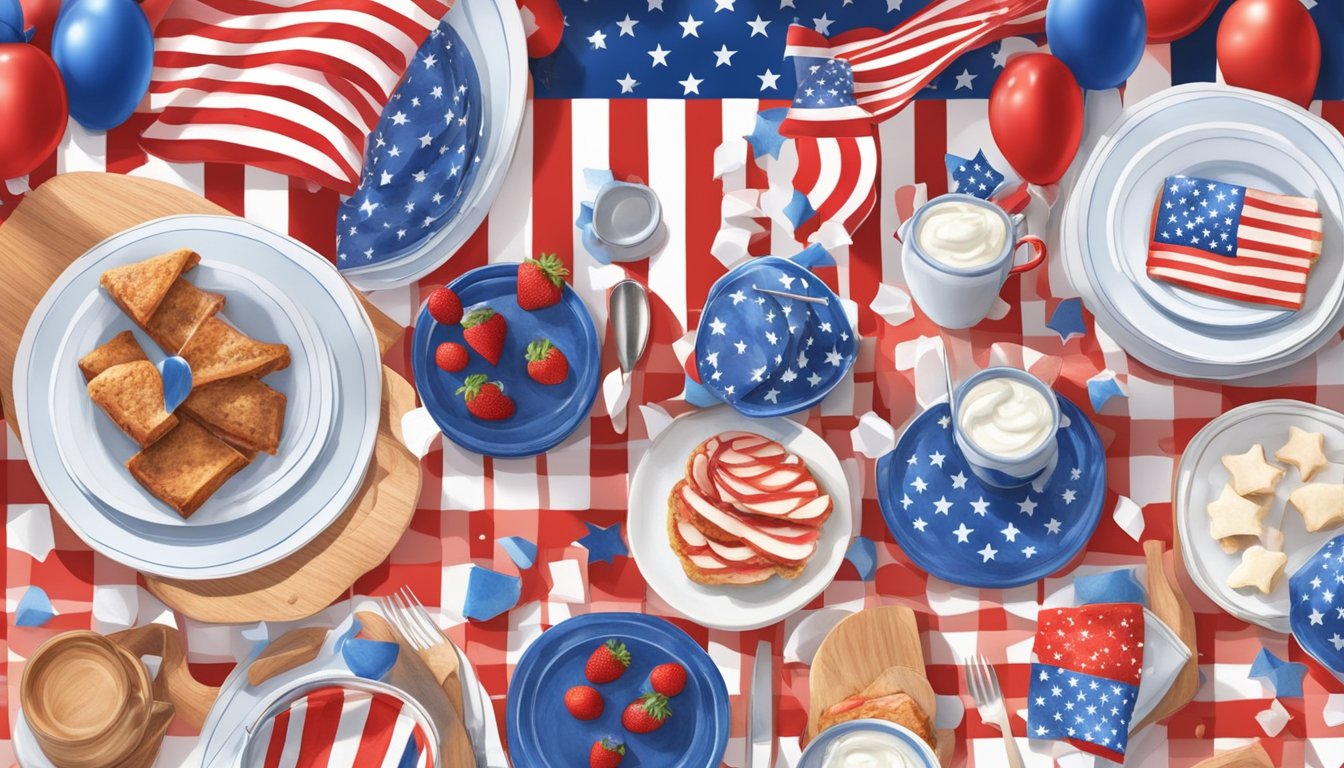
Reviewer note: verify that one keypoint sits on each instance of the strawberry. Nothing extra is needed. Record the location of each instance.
(546, 364)
(668, 679)
(608, 662)
(584, 703)
(444, 306)
(646, 714)
(606, 753)
(484, 332)
(541, 282)
(451, 356)
(486, 399)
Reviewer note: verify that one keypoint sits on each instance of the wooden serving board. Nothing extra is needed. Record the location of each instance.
(1166, 600)
(67, 215)
(1249, 756)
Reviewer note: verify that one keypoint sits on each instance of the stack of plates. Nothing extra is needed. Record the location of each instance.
(493, 33)
(1222, 133)
(275, 505)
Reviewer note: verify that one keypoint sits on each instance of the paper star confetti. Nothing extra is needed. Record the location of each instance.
(34, 608)
(862, 553)
(1282, 678)
(490, 594)
(974, 176)
(522, 552)
(765, 138)
(1101, 388)
(604, 545)
(1067, 320)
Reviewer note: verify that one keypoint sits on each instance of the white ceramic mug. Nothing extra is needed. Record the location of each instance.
(1004, 471)
(959, 297)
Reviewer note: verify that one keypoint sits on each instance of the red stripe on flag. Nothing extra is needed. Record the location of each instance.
(931, 146)
(124, 153)
(224, 186)
(552, 154)
(312, 217)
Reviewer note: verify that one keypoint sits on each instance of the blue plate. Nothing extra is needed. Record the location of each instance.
(542, 733)
(1016, 535)
(546, 414)
(802, 367)
(1323, 573)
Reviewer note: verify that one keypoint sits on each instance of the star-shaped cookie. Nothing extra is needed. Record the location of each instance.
(1321, 504)
(1259, 568)
(1231, 514)
(1250, 473)
(1304, 450)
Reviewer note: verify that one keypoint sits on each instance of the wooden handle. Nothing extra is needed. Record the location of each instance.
(174, 682)
(1249, 756)
(1169, 604)
(292, 649)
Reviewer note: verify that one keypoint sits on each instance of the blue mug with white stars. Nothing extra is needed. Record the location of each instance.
(1005, 422)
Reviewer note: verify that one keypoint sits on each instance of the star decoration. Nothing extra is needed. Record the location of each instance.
(1283, 678)
(1232, 515)
(659, 56)
(1304, 450)
(604, 545)
(628, 83)
(691, 84)
(1250, 474)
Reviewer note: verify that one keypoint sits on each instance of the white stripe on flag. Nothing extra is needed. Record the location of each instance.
(250, 136)
(897, 139)
(667, 176)
(510, 219)
(1236, 286)
(1229, 266)
(589, 126)
(266, 198)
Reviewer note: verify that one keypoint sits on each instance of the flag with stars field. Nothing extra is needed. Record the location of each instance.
(1316, 605)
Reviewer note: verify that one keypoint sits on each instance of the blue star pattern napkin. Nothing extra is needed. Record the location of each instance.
(422, 159)
(1086, 680)
(1316, 610)
(967, 532)
(747, 337)
(974, 176)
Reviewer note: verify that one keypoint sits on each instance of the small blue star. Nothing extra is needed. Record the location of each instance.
(604, 545)
(764, 137)
(1284, 677)
(1067, 320)
(1100, 390)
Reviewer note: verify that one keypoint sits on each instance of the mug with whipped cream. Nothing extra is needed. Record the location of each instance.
(957, 252)
(1005, 422)
(868, 744)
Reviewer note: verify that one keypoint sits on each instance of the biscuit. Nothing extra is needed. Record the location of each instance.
(1321, 505)
(1250, 474)
(1304, 450)
(218, 351)
(131, 394)
(1259, 568)
(185, 467)
(1234, 544)
(183, 309)
(122, 348)
(139, 288)
(1232, 514)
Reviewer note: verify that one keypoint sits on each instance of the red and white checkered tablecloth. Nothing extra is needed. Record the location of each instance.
(469, 502)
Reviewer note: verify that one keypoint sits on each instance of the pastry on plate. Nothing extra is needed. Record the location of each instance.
(746, 511)
(218, 351)
(1259, 568)
(186, 466)
(131, 394)
(183, 310)
(140, 288)
(1304, 450)
(884, 699)
(1249, 474)
(122, 348)
(1321, 505)
(243, 411)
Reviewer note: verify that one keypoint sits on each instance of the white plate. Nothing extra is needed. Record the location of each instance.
(211, 549)
(1201, 476)
(729, 607)
(1218, 132)
(493, 32)
(95, 450)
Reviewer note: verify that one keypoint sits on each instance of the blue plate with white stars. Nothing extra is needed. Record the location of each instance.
(768, 354)
(1316, 594)
(546, 414)
(976, 535)
(542, 733)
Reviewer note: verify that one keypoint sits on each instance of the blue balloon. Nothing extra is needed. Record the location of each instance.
(11, 23)
(105, 51)
(1101, 41)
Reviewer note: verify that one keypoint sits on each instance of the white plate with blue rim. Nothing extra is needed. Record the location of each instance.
(493, 33)
(868, 736)
(1229, 135)
(224, 545)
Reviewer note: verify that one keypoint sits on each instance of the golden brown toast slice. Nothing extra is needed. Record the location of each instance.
(139, 288)
(186, 467)
(243, 411)
(218, 351)
(131, 394)
(180, 314)
(122, 348)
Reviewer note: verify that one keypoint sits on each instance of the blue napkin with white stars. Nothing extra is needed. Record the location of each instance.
(421, 161)
(1316, 609)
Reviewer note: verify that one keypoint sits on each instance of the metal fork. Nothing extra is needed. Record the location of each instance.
(409, 616)
(984, 685)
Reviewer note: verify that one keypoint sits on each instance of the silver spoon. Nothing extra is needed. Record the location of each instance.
(630, 319)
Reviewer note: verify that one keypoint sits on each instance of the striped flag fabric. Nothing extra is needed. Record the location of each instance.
(891, 67)
(1231, 241)
(337, 727)
(292, 86)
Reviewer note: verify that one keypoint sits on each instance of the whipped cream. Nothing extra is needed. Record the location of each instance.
(961, 234)
(1005, 417)
(868, 749)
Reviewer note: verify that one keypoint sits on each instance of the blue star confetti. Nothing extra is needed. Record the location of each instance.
(421, 160)
(1101, 388)
(975, 176)
(490, 594)
(765, 138)
(369, 659)
(34, 608)
(1284, 678)
(862, 553)
(1117, 586)
(1316, 605)
(604, 545)
(1067, 320)
(522, 552)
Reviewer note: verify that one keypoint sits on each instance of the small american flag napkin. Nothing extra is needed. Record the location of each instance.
(337, 726)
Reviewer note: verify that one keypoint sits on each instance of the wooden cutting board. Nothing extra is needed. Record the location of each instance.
(1166, 600)
(67, 215)
(1249, 756)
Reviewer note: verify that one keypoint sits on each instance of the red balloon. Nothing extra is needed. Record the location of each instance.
(1036, 116)
(1270, 46)
(1173, 19)
(42, 15)
(32, 108)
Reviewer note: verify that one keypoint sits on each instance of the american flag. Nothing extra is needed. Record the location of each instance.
(292, 86)
(1316, 604)
(1231, 241)
(891, 67)
(337, 726)
(1086, 680)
